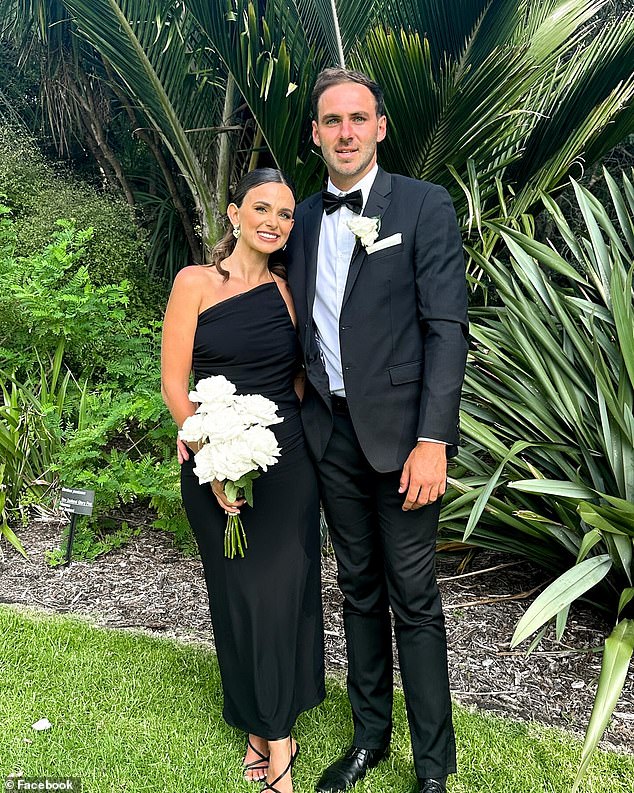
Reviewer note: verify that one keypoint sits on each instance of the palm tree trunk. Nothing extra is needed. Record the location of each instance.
(223, 174)
(255, 151)
(93, 125)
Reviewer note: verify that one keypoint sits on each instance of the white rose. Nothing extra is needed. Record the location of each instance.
(263, 446)
(234, 459)
(368, 239)
(235, 427)
(222, 461)
(204, 467)
(361, 225)
(215, 391)
(193, 429)
(223, 425)
(256, 409)
(366, 229)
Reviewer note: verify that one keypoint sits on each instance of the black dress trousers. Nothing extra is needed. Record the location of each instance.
(385, 558)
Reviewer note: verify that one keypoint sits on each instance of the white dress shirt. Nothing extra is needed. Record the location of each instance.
(336, 243)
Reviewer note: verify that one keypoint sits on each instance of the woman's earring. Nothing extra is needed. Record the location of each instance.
(236, 232)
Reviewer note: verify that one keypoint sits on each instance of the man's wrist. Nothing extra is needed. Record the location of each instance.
(431, 440)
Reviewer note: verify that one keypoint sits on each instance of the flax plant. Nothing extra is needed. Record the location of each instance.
(548, 468)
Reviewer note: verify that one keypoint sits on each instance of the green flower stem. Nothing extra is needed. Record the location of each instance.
(235, 537)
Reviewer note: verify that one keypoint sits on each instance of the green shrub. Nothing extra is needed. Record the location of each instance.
(81, 402)
(549, 396)
(48, 299)
(124, 451)
(39, 196)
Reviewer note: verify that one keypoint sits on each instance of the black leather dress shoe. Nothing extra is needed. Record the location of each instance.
(350, 768)
(433, 785)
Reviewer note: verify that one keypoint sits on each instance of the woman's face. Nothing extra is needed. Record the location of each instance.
(265, 217)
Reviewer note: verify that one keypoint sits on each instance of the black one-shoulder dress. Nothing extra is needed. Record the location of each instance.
(265, 607)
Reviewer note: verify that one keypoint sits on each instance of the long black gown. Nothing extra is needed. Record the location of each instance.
(265, 607)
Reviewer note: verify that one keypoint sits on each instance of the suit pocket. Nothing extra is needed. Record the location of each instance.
(406, 372)
(385, 253)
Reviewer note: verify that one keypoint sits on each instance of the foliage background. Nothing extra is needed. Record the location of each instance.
(79, 352)
(157, 106)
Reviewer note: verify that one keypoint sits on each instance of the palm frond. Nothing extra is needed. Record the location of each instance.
(41, 33)
(453, 28)
(275, 85)
(334, 27)
(459, 115)
(551, 24)
(555, 106)
(153, 45)
(587, 112)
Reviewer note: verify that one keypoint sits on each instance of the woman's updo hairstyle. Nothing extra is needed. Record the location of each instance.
(225, 246)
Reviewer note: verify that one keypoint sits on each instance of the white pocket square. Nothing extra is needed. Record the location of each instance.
(388, 242)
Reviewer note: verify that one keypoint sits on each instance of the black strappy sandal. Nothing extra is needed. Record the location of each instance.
(261, 763)
(271, 785)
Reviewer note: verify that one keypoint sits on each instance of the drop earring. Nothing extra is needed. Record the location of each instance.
(236, 232)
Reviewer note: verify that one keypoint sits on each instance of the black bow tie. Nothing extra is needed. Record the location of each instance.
(332, 202)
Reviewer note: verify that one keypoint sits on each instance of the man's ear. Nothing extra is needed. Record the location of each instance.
(382, 129)
(316, 139)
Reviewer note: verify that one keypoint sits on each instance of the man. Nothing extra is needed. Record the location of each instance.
(383, 324)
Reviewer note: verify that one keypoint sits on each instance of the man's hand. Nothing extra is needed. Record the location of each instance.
(424, 476)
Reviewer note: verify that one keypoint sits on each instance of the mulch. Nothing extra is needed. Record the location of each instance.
(149, 585)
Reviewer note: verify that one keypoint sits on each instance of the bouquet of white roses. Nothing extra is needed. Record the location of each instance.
(236, 442)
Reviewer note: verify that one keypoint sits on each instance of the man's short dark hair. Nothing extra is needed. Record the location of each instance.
(336, 75)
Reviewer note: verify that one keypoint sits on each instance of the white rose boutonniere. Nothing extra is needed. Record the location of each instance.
(366, 230)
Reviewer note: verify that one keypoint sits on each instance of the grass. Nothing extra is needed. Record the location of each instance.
(135, 713)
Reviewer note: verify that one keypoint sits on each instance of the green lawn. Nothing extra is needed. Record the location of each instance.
(132, 713)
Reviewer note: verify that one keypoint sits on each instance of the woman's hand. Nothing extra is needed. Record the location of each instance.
(183, 449)
(230, 507)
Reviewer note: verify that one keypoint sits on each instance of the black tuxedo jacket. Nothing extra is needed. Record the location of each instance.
(403, 325)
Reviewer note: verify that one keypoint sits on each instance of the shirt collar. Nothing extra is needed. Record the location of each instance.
(365, 185)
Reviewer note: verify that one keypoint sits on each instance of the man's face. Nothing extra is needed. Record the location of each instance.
(347, 129)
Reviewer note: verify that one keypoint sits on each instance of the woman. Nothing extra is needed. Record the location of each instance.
(235, 317)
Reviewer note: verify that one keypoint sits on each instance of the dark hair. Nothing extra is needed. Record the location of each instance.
(225, 246)
(336, 75)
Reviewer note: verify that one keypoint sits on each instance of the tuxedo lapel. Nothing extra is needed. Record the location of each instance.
(376, 205)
